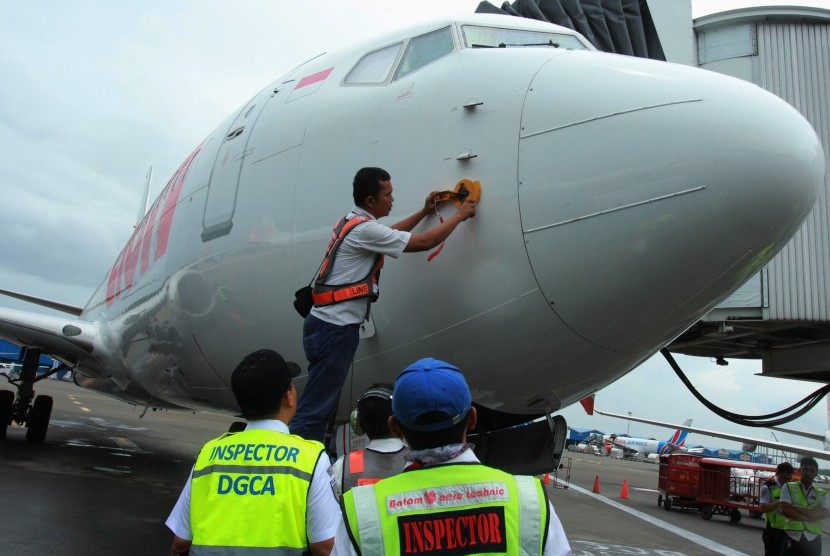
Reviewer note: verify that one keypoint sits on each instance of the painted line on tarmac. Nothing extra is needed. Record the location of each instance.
(691, 537)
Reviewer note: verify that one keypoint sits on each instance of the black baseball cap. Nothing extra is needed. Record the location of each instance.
(261, 380)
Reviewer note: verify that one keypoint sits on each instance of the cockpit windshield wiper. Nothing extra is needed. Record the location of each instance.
(549, 43)
(505, 45)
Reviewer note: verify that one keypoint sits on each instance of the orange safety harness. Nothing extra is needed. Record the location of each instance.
(324, 294)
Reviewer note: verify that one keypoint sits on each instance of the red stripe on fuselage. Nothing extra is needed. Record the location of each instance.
(123, 272)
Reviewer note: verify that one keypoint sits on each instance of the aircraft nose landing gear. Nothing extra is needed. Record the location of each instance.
(21, 409)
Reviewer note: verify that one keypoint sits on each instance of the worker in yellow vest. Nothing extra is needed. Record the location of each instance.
(805, 505)
(769, 501)
(261, 490)
(445, 501)
(384, 455)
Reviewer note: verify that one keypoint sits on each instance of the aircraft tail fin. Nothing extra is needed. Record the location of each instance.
(588, 404)
(679, 437)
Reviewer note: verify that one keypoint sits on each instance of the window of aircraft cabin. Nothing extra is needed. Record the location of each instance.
(374, 67)
(493, 37)
(425, 49)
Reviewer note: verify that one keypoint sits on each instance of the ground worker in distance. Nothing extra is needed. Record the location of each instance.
(350, 274)
(775, 534)
(445, 501)
(384, 455)
(261, 490)
(805, 505)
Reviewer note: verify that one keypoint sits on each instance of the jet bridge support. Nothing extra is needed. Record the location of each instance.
(25, 408)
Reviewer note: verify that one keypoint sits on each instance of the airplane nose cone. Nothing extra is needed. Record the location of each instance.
(664, 187)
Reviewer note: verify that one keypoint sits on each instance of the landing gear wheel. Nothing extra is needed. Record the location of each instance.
(659, 500)
(667, 503)
(734, 515)
(706, 511)
(6, 405)
(38, 420)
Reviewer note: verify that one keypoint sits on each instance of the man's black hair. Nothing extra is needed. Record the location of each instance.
(785, 467)
(421, 440)
(807, 460)
(263, 413)
(367, 183)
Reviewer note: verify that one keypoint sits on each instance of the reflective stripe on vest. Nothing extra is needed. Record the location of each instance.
(244, 551)
(799, 500)
(457, 508)
(244, 483)
(774, 517)
(324, 294)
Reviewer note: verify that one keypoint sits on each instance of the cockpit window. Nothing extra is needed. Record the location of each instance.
(493, 37)
(375, 66)
(425, 49)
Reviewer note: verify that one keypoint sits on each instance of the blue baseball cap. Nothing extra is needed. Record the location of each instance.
(429, 385)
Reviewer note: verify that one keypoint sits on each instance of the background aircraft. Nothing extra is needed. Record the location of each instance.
(749, 443)
(647, 446)
(574, 216)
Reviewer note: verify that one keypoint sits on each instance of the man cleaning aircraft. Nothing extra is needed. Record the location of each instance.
(348, 282)
(591, 253)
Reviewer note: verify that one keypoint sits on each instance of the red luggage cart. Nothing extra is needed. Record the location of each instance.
(712, 486)
(677, 481)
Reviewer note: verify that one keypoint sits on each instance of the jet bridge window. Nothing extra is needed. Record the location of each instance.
(425, 49)
(375, 66)
(494, 37)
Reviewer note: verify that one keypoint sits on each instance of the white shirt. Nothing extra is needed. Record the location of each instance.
(765, 497)
(811, 496)
(353, 262)
(383, 445)
(323, 513)
(557, 544)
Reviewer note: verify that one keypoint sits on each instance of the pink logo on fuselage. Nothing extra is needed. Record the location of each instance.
(313, 78)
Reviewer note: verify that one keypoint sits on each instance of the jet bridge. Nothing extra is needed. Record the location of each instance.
(781, 315)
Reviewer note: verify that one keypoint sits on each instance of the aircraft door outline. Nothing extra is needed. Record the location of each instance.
(220, 204)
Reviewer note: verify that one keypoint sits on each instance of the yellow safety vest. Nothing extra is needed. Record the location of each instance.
(249, 490)
(461, 508)
(775, 518)
(797, 498)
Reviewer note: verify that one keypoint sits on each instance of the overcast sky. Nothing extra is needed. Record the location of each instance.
(94, 92)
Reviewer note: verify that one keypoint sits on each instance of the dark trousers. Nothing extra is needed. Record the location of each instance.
(330, 351)
(775, 541)
(806, 548)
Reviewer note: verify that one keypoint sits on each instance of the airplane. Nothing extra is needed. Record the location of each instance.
(621, 199)
(645, 447)
(749, 443)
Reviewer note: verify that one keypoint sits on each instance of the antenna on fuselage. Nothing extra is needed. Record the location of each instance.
(142, 207)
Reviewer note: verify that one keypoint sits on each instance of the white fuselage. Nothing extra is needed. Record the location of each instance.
(622, 198)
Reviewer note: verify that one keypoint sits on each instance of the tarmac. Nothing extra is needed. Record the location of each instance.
(106, 478)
